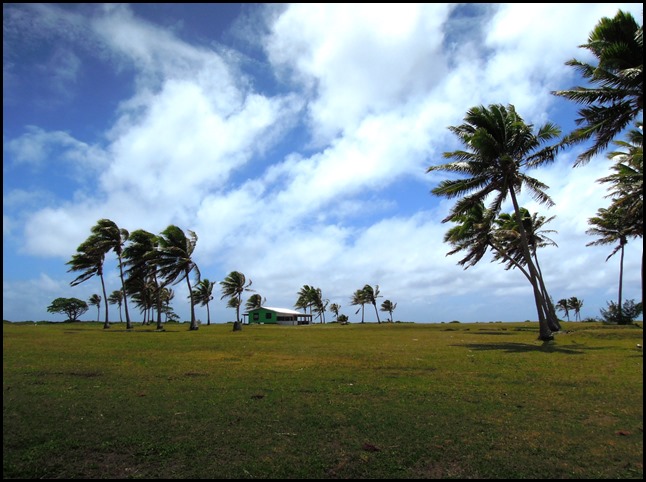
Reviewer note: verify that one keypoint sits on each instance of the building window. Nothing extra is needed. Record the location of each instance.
(268, 316)
(256, 316)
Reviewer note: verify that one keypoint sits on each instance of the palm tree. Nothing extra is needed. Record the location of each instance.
(255, 301)
(499, 147)
(166, 295)
(175, 261)
(611, 227)
(359, 298)
(95, 300)
(306, 298)
(388, 306)
(111, 237)
(335, 308)
(575, 304)
(203, 294)
(89, 259)
(371, 296)
(616, 98)
(233, 286)
(564, 306)
(116, 298)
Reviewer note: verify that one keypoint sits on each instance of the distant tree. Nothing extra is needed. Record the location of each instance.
(95, 300)
(575, 304)
(388, 306)
(175, 262)
(343, 319)
(255, 301)
(116, 298)
(371, 294)
(335, 308)
(203, 294)
(72, 307)
(564, 306)
(233, 286)
(625, 315)
(616, 97)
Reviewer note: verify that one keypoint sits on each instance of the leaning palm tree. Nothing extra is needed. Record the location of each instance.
(335, 308)
(617, 93)
(95, 300)
(564, 306)
(233, 286)
(499, 147)
(371, 294)
(575, 304)
(306, 298)
(611, 227)
(89, 259)
(388, 306)
(203, 294)
(359, 298)
(175, 262)
(116, 298)
(111, 237)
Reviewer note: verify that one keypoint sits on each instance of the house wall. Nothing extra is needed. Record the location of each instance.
(261, 315)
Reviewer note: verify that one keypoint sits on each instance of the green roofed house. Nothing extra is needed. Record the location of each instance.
(279, 316)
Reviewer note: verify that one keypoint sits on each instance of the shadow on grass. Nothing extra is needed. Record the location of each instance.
(528, 347)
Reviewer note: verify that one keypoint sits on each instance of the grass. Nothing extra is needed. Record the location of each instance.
(326, 401)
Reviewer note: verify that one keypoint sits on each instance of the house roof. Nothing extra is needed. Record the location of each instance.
(284, 311)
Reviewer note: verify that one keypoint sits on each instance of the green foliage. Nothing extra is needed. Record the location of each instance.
(72, 307)
(629, 312)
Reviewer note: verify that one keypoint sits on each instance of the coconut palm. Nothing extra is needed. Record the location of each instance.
(564, 306)
(89, 259)
(575, 304)
(371, 294)
(95, 300)
(359, 298)
(611, 226)
(175, 263)
(255, 301)
(499, 147)
(233, 286)
(111, 237)
(306, 298)
(116, 298)
(166, 295)
(203, 294)
(616, 97)
(335, 308)
(388, 306)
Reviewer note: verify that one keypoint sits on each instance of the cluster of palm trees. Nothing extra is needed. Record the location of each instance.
(570, 304)
(499, 148)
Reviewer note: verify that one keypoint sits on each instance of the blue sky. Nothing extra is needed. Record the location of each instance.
(294, 140)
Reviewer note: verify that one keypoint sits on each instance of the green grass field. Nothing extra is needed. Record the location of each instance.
(400, 400)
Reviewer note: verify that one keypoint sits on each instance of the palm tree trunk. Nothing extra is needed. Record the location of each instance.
(376, 312)
(545, 333)
(105, 298)
(621, 283)
(552, 319)
(125, 297)
(208, 315)
(190, 293)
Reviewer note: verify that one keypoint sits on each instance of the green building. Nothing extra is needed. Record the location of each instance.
(278, 316)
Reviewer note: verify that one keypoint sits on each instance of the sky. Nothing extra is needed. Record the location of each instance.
(294, 140)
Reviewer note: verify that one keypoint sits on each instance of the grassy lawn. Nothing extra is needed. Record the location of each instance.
(483, 400)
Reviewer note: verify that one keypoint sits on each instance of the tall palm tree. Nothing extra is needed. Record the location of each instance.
(203, 294)
(166, 295)
(95, 300)
(111, 237)
(116, 298)
(499, 147)
(175, 263)
(611, 227)
(575, 304)
(371, 294)
(89, 259)
(255, 301)
(564, 306)
(233, 286)
(388, 306)
(306, 298)
(359, 298)
(617, 93)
